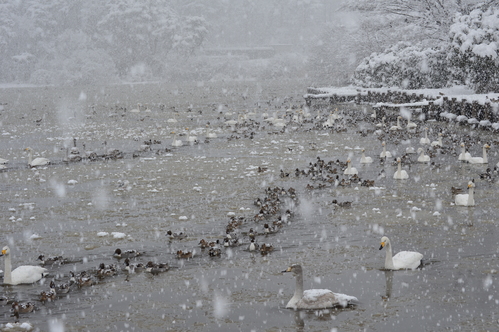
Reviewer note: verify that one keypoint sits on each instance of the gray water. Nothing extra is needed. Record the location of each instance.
(196, 189)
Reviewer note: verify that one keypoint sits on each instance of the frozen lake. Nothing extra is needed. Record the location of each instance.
(131, 203)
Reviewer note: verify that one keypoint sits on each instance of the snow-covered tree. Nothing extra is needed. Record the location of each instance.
(406, 66)
(475, 49)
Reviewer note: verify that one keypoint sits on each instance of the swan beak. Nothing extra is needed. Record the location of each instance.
(3, 252)
(382, 245)
(287, 270)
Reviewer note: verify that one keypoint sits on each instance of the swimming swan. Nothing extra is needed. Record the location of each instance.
(350, 170)
(25, 274)
(402, 260)
(466, 199)
(425, 140)
(423, 158)
(480, 160)
(400, 174)
(314, 298)
(364, 159)
(384, 153)
(36, 161)
(464, 156)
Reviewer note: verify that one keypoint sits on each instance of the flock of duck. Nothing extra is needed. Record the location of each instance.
(275, 210)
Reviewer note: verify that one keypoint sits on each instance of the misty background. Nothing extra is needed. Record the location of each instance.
(411, 44)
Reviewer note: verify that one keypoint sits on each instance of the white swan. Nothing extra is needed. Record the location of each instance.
(364, 159)
(464, 156)
(384, 153)
(3, 161)
(175, 141)
(136, 110)
(411, 126)
(37, 161)
(480, 160)
(400, 174)
(397, 127)
(423, 158)
(402, 260)
(425, 140)
(466, 199)
(191, 138)
(438, 143)
(25, 274)
(209, 133)
(350, 170)
(314, 298)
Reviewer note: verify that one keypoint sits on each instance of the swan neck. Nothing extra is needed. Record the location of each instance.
(399, 168)
(389, 258)
(485, 155)
(7, 279)
(471, 198)
(30, 156)
(299, 286)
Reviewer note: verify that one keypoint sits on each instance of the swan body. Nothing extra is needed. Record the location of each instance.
(350, 170)
(136, 110)
(3, 161)
(176, 142)
(411, 126)
(364, 159)
(480, 160)
(24, 274)
(397, 127)
(466, 199)
(410, 150)
(37, 161)
(423, 158)
(384, 153)
(438, 143)
(400, 174)
(464, 156)
(401, 261)
(313, 299)
(425, 140)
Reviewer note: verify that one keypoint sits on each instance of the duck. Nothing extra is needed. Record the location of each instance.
(314, 299)
(423, 158)
(130, 253)
(205, 244)
(400, 174)
(384, 153)
(22, 308)
(133, 268)
(438, 142)
(51, 260)
(404, 260)
(350, 170)
(184, 254)
(176, 142)
(480, 160)
(24, 274)
(464, 156)
(364, 159)
(37, 161)
(253, 246)
(425, 140)
(106, 271)
(215, 252)
(266, 248)
(396, 127)
(81, 280)
(49, 295)
(176, 236)
(466, 199)
(156, 268)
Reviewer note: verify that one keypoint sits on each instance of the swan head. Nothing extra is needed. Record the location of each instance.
(384, 241)
(5, 251)
(295, 268)
(420, 150)
(462, 145)
(400, 160)
(28, 149)
(383, 143)
(471, 184)
(486, 146)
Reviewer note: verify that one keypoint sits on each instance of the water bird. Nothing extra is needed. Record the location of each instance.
(364, 159)
(314, 299)
(37, 161)
(136, 110)
(215, 252)
(130, 253)
(176, 236)
(253, 246)
(24, 274)
(423, 158)
(156, 268)
(184, 254)
(51, 260)
(22, 308)
(205, 244)
(266, 248)
(402, 260)
(480, 160)
(350, 170)
(439, 142)
(400, 174)
(466, 199)
(425, 140)
(464, 156)
(397, 126)
(384, 153)
(176, 142)
(48, 295)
